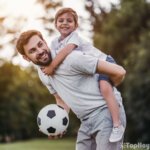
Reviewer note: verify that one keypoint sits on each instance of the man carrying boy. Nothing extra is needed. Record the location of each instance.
(74, 85)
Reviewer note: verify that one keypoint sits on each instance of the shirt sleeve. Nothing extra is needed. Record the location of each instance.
(83, 63)
(45, 80)
(51, 89)
(73, 39)
(53, 43)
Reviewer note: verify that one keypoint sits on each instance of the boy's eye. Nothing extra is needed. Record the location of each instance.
(60, 20)
(69, 20)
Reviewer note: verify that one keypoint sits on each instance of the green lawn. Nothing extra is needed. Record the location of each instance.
(41, 144)
(45, 144)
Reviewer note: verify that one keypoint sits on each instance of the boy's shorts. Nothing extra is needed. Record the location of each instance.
(103, 76)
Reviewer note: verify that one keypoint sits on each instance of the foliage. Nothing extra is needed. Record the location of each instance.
(21, 92)
(22, 95)
(50, 9)
(124, 32)
(10, 32)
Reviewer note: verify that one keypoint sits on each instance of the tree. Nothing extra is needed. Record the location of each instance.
(124, 33)
(22, 95)
(16, 24)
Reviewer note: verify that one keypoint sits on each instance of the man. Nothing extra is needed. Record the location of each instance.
(74, 85)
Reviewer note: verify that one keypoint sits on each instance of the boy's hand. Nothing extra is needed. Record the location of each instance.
(47, 70)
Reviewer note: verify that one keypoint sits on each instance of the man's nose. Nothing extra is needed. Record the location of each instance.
(39, 52)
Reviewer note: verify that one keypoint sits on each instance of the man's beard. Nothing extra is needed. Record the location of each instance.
(46, 63)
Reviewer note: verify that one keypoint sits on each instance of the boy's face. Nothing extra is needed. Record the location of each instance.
(65, 24)
(37, 51)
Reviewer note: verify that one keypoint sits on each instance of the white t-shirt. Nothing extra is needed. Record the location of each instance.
(82, 45)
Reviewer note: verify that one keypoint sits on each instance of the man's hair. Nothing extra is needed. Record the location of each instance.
(24, 38)
(67, 10)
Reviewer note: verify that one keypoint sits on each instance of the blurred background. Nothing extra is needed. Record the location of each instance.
(120, 28)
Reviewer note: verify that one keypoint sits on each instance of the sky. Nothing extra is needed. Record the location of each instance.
(28, 8)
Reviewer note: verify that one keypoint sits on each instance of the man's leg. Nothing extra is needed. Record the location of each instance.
(105, 127)
(84, 140)
(102, 140)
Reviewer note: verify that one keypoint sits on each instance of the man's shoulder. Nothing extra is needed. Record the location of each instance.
(73, 58)
(75, 55)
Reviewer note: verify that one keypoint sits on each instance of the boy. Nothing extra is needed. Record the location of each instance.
(66, 22)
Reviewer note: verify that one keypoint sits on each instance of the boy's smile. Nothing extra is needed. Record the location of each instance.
(65, 24)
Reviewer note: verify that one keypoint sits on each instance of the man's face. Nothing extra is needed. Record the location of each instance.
(37, 51)
(65, 24)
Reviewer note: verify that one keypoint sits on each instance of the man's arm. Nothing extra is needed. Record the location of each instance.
(61, 103)
(114, 71)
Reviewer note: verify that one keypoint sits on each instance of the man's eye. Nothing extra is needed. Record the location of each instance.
(40, 44)
(32, 51)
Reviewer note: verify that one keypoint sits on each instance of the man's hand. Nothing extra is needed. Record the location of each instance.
(56, 136)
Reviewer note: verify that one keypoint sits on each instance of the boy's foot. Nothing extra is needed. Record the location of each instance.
(117, 134)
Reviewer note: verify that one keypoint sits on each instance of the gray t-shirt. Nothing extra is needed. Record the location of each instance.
(76, 83)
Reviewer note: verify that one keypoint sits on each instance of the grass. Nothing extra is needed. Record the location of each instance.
(45, 144)
(40, 144)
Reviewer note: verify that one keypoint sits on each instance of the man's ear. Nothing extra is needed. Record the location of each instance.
(26, 58)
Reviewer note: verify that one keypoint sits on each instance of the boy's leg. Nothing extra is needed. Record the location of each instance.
(108, 93)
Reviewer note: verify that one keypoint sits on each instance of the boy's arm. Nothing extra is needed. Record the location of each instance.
(62, 55)
(114, 71)
(59, 59)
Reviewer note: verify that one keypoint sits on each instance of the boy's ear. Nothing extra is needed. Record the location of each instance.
(77, 25)
(55, 26)
(25, 57)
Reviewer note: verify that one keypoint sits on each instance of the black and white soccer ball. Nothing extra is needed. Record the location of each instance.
(52, 120)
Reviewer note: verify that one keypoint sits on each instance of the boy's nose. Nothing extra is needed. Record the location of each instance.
(65, 22)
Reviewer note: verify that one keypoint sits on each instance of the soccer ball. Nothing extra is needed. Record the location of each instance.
(52, 120)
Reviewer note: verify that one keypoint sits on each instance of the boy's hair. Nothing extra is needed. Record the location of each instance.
(67, 10)
(24, 38)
